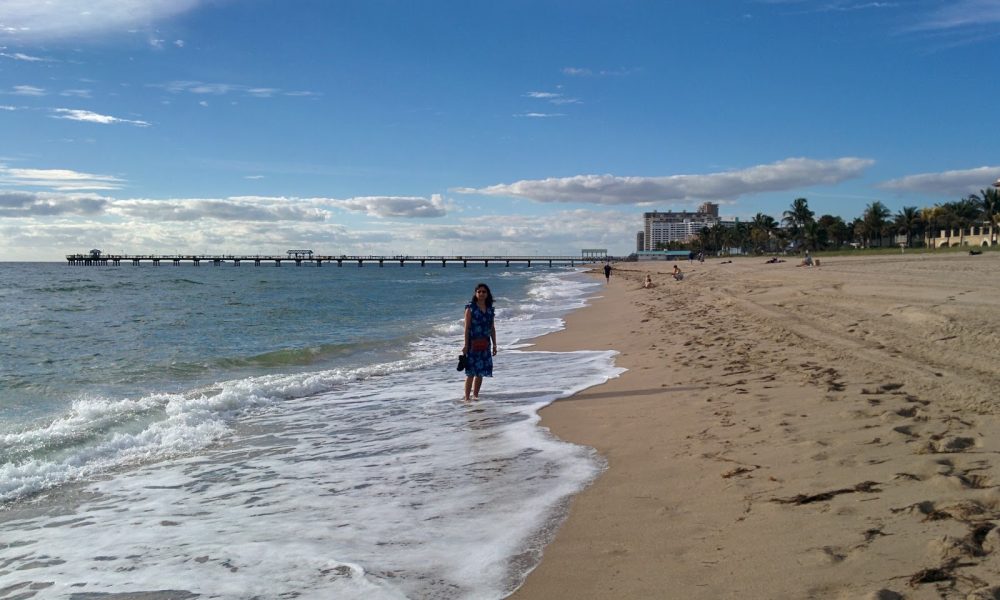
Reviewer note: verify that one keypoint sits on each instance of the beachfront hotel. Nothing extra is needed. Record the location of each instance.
(662, 227)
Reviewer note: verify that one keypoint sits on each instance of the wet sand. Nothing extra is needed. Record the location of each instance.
(787, 432)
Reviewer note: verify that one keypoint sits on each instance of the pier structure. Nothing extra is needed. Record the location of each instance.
(300, 258)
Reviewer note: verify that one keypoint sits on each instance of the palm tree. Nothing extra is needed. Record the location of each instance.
(962, 213)
(932, 219)
(718, 236)
(989, 203)
(762, 228)
(704, 239)
(907, 222)
(797, 217)
(874, 219)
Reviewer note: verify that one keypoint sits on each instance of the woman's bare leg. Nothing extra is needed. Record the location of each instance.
(468, 387)
(475, 389)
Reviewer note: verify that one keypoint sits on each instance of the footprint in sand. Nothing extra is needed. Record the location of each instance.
(950, 444)
(827, 555)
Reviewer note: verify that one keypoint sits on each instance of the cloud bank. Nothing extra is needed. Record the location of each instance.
(396, 206)
(37, 20)
(783, 175)
(28, 204)
(59, 224)
(950, 184)
(65, 180)
(234, 209)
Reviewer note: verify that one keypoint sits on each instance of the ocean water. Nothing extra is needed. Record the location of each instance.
(262, 432)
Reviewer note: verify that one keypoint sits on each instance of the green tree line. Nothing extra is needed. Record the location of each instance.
(799, 228)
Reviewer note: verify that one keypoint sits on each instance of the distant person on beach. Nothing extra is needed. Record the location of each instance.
(677, 274)
(807, 261)
(479, 333)
(607, 272)
(649, 282)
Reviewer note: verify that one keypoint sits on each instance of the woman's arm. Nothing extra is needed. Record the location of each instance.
(465, 335)
(493, 334)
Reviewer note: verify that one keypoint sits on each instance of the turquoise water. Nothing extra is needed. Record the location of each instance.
(117, 332)
(292, 431)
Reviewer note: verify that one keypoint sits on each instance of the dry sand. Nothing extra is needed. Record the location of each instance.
(787, 432)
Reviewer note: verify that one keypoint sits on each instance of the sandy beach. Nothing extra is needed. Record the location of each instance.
(787, 432)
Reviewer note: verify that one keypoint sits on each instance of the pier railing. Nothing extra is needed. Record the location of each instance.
(314, 260)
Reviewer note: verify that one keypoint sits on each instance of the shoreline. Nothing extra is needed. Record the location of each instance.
(786, 432)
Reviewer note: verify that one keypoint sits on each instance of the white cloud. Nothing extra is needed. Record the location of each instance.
(526, 234)
(24, 57)
(960, 14)
(228, 209)
(783, 175)
(202, 88)
(538, 115)
(216, 89)
(235, 209)
(92, 117)
(58, 179)
(29, 204)
(262, 92)
(76, 93)
(28, 90)
(950, 184)
(179, 43)
(7, 107)
(397, 206)
(586, 72)
(22, 238)
(552, 97)
(35, 20)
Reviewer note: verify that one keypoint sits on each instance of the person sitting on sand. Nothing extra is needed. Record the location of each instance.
(648, 283)
(807, 261)
(677, 273)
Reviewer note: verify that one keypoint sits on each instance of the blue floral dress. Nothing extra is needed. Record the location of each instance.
(480, 361)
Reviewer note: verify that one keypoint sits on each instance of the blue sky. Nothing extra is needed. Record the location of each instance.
(467, 127)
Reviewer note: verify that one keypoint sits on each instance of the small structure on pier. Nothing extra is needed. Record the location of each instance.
(594, 254)
(95, 254)
(299, 253)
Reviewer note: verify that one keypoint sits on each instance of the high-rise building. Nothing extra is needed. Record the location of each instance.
(639, 245)
(662, 227)
(709, 208)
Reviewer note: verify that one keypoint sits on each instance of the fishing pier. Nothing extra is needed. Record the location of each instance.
(308, 258)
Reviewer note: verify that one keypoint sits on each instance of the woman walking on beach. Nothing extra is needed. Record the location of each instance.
(480, 344)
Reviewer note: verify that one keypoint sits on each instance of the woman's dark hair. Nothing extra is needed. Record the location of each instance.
(489, 294)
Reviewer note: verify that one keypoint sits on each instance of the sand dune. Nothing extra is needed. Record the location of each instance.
(788, 432)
